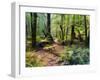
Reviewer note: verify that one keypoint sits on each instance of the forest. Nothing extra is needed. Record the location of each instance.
(55, 39)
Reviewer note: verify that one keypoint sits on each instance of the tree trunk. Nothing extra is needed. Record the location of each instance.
(61, 27)
(67, 26)
(49, 36)
(88, 40)
(79, 36)
(48, 23)
(72, 34)
(27, 31)
(33, 28)
(62, 33)
(72, 30)
(85, 25)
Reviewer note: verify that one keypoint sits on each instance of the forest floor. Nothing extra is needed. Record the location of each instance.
(49, 56)
(56, 54)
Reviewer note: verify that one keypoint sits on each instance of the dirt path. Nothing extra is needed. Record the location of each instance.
(50, 57)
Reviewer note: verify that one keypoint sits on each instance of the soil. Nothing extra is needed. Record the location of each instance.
(50, 56)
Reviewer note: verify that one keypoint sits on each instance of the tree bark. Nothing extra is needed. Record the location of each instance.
(85, 25)
(67, 26)
(49, 36)
(33, 28)
(72, 30)
(61, 27)
(48, 23)
(72, 34)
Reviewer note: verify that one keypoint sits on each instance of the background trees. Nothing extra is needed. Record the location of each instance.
(57, 39)
(63, 28)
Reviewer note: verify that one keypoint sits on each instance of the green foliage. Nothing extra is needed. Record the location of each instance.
(75, 55)
(61, 33)
(41, 23)
(38, 38)
(32, 60)
(79, 56)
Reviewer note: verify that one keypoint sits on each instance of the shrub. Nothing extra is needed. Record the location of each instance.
(75, 55)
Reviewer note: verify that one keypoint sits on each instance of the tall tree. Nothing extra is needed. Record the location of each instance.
(85, 25)
(67, 26)
(33, 28)
(79, 36)
(49, 36)
(72, 29)
(48, 23)
(61, 27)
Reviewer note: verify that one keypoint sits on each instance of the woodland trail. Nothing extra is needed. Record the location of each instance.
(50, 57)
